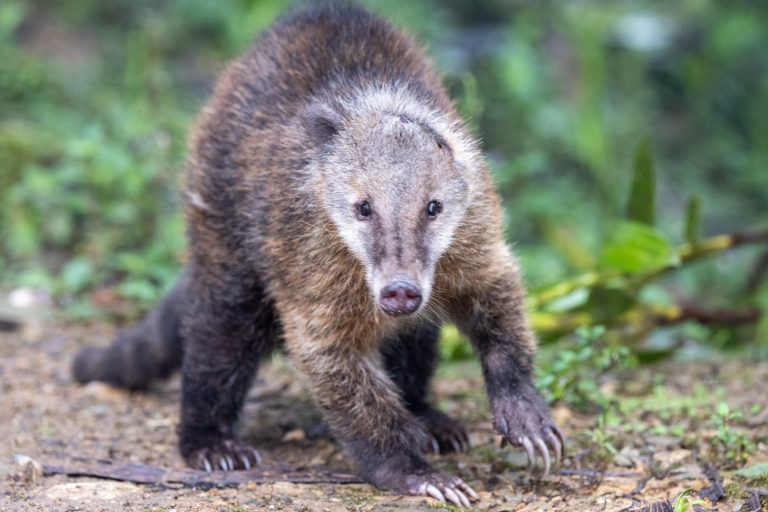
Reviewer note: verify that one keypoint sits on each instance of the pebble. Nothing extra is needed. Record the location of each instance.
(27, 469)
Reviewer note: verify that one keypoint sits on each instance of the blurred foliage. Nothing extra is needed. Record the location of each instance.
(623, 136)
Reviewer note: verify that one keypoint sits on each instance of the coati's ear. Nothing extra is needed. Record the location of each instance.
(322, 123)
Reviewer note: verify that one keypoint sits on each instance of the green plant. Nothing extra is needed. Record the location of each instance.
(733, 443)
(573, 374)
(685, 502)
(621, 293)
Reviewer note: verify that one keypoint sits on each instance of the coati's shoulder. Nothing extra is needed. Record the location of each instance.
(336, 48)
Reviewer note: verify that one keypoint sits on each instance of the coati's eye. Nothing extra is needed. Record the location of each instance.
(363, 210)
(433, 208)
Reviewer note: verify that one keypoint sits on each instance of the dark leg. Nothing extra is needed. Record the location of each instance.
(494, 318)
(227, 332)
(410, 359)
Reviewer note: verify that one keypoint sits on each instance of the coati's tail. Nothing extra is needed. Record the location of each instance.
(150, 350)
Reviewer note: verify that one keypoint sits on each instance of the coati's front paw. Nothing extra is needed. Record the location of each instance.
(446, 433)
(414, 476)
(227, 455)
(442, 487)
(523, 419)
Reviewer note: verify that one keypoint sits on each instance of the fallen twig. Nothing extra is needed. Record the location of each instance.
(143, 474)
(594, 473)
(679, 314)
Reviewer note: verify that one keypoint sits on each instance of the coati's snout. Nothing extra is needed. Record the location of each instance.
(400, 298)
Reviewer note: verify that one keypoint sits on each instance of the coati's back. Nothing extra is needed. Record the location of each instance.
(328, 52)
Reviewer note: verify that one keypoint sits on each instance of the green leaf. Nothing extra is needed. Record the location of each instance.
(76, 274)
(642, 195)
(759, 470)
(635, 248)
(567, 242)
(140, 290)
(693, 219)
(453, 345)
(569, 302)
(681, 504)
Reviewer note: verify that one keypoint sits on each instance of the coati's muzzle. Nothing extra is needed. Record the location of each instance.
(400, 297)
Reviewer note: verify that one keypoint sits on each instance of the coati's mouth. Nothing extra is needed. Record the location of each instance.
(400, 298)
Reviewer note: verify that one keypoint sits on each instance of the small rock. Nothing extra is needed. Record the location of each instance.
(672, 458)
(616, 486)
(160, 423)
(294, 436)
(690, 471)
(629, 457)
(27, 469)
(663, 442)
(104, 392)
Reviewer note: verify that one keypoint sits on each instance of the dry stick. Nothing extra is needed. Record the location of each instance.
(707, 247)
(143, 474)
(679, 314)
(601, 474)
(687, 252)
(654, 315)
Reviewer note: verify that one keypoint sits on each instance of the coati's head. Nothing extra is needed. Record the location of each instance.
(393, 186)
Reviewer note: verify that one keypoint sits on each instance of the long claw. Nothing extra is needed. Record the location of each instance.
(456, 445)
(468, 490)
(451, 496)
(207, 464)
(529, 450)
(223, 464)
(435, 493)
(230, 463)
(435, 446)
(544, 453)
(555, 442)
(256, 456)
(464, 500)
(504, 426)
(560, 436)
(246, 462)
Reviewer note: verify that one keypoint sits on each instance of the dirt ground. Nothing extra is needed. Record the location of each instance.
(663, 444)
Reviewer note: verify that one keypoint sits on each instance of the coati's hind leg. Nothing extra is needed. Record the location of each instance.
(228, 328)
(411, 358)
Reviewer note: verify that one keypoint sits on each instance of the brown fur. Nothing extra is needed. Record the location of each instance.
(333, 102)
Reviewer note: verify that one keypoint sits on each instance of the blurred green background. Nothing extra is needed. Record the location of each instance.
(574, 101)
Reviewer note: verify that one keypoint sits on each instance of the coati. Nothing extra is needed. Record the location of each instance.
(338, 206)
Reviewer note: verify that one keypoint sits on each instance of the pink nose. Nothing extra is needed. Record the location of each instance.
(400, 298)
